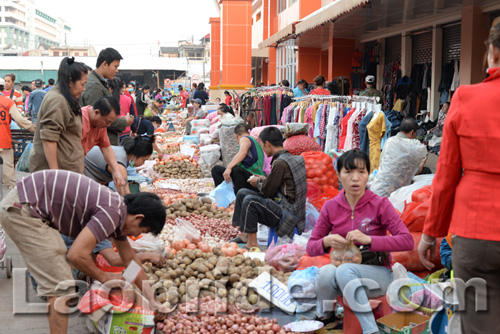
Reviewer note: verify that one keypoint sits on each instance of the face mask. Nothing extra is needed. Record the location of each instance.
(130, 90)
(131, 163)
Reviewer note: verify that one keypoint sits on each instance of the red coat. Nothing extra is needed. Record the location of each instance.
(466, 188)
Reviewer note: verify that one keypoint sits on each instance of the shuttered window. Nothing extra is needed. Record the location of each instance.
(393, 49)
(422, 48)
(451, 42)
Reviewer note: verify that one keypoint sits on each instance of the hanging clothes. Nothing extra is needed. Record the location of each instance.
(344, 125)
(376, 130)
(364, 141)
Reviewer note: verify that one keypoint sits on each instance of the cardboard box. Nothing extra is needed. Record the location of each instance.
(274, 291)
(404, 323)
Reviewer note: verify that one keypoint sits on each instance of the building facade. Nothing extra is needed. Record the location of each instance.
(25, 26)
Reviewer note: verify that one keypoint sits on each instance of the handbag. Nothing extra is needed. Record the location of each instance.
(373, 258)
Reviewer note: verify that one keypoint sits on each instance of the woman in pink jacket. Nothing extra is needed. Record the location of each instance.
(356, 215)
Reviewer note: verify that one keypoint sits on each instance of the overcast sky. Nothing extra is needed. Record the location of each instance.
(133, 27)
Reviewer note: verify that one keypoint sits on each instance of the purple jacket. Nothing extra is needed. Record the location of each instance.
(373, 215)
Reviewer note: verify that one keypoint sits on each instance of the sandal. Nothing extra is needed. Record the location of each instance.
(330, 322)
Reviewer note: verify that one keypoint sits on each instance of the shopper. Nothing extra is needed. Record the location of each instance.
(130, 92)
(301, 89)
(107, 65)
(10, 112)
(11, 93)
(370, 88)
(193, 90)
(465, 194)
(47, 203)
(35, 100)
(248, 161)
(127, 104)
(142, 100)
(57, 143)
(184, 96)
(359, 216)
(402, 158)
(228, 99)
(281, 198)
(201, 94)
(285, 83)
(26, 90)
(132, 153)
(319, 86)
(146, 127)
(51, 84)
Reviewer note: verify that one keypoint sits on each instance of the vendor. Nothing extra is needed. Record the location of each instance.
(197, 113)
(247, 162)
(280, 201)
(370, 88)
(402, 158)
(133, 153)
(146, 127)
(49, 202)
(356, 215)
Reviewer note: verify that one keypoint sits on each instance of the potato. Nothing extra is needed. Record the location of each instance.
(202, 268)
(206, 200)
(217, 274)
(253, 299)
(234, 278)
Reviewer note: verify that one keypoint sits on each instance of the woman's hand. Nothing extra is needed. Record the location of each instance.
(334, 241)
(427, 251)
(359, 237)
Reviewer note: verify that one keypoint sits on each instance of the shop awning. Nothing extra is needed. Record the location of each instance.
(260, 53)
(283, 33)
(327, 13)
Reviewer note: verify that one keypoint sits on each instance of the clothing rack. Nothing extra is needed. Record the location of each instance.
(344, 98)
(374, 99)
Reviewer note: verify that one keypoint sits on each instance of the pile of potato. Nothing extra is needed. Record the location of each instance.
(192, 273)
(179, 170)
(197, 206)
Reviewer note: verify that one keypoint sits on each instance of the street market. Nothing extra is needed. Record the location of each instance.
(284, 195)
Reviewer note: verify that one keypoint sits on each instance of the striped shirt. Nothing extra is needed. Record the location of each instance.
(17, 97)
(69, 202)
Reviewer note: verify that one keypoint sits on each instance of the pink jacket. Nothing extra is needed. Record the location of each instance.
(373, 215)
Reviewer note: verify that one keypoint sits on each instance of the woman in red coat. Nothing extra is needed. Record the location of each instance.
(466, 194)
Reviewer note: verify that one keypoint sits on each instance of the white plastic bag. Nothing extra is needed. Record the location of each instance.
(148, 243)
(185, 230)
(401, 159)
(403, 195)
(210, 154)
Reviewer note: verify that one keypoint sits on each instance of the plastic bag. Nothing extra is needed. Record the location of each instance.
(210, 154)
(401, 160)
(402, 195)
(23, 165)
(312, 215)
(148, 243)
(224, 194)
(302, 287)
(313, 191)
(293, 129)
(284, 257)
(350, 254)
(186, 230)
(231, 120)
(414, 215)
(302, 239)
(318, 261)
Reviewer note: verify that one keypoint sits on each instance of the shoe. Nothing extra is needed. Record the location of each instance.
(238, 240)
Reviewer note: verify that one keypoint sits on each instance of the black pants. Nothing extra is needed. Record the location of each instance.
(478, 259)
(239, 176)
(252, 208)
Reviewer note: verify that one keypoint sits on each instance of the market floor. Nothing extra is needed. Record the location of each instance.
(29, 323)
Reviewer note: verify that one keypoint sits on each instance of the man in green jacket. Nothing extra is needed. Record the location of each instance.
(96, 87)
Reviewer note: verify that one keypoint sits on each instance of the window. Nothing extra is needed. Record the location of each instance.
(85, 54)
(65, 54)
(259, 15)
(77, 54)
(286, 62)
(281, 5)
(56, 53)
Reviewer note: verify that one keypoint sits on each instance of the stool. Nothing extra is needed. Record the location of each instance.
(380, 307)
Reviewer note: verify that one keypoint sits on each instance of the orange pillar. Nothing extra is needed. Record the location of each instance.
(308, 63)
(329, 74)
(215, 47)
(342, 59)
(236, 42)
(271, 69)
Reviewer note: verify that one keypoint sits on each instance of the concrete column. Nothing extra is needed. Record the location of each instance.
(215, 47)
(381, 64)
(329, 74)
(406, 54)
(437, 64)
(474, 33)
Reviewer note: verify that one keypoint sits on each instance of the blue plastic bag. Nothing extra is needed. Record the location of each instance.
(312, 215)
(302, 287)
(224, 194)
(23, 165)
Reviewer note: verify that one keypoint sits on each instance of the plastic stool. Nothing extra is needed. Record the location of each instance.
(379, 306)
(272, 236)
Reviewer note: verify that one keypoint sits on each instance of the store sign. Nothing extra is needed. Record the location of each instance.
(167, 83)
(196, 78)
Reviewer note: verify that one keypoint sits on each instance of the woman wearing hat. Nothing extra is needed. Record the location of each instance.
(198, 113)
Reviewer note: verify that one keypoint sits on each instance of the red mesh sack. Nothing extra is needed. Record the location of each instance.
(414, 215)
(313, 191)
(329, 193)
(319, 169)
(299, 144)
(410, 259)
(307, 261)
(421, 195)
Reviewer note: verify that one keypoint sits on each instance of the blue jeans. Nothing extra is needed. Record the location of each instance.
(332, 282)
